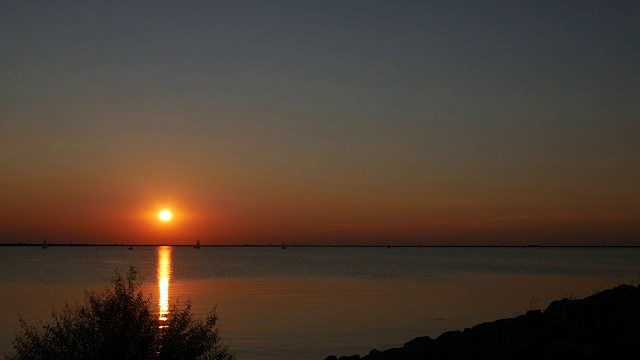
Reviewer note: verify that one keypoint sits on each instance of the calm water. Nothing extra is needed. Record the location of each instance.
(308, 303)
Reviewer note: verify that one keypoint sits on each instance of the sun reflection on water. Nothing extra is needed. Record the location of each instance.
(164, 277)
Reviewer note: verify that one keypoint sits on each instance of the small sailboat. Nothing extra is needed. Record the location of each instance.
(197, 244)
(284, 247)
(44, 244)
(130, 247)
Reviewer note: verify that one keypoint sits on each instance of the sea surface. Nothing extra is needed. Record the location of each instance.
(311, 302)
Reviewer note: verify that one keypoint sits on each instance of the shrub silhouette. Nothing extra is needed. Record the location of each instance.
(118, 324)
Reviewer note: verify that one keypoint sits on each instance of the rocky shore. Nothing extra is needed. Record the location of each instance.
(605, 325)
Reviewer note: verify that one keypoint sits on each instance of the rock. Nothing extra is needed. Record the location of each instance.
(588, 351)
(375, 354)
(419, 341)
(627, 345)
(447, 336)
(352, 357)
(467, 351)
(565, 349)
(556, 311)
(605, 325)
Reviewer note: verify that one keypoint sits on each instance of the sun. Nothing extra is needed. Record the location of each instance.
(164, 215)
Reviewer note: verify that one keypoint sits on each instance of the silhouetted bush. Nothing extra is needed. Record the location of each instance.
(118, 324)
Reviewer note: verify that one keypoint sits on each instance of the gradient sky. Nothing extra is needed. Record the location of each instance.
(329, 122)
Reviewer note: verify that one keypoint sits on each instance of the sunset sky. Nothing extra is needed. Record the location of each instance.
(328, 122)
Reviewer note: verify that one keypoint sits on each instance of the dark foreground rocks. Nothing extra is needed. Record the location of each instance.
(603, 326)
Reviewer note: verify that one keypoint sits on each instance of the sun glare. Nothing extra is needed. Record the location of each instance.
(164, 215)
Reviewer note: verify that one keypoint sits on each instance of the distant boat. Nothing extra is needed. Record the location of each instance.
(197, 244)
(130, 247)
(284, 247)
(44, 244)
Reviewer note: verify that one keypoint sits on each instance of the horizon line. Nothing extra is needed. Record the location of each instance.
(326, 246)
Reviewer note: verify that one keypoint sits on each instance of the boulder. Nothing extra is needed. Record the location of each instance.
(605, 325)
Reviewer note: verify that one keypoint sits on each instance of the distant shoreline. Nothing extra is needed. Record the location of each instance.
(324, 246)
